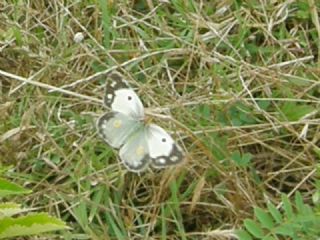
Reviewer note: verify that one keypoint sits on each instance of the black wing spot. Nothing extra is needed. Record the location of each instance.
(129, 98)
(163, 140)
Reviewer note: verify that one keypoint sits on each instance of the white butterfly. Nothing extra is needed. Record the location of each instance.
(124, 128)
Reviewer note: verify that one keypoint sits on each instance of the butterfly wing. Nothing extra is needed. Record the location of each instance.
(122, 128)
(163, 150)
(134, 153)
(116, 127)
(121, 98)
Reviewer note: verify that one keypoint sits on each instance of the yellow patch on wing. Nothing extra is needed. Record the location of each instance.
(117, 123)
(140, 151)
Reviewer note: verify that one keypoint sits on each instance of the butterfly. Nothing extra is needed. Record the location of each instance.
(124, 128)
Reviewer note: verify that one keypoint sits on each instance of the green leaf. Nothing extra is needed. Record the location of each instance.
(299, 203)
(303, 10)
(307, 219)
(274, 212)
(253, 228)
(317, 151)
(264, 218)
(294, 112)
(241, 161)
(4, 169)
(287, 206)
(28, 225)
(9, 209)
(264, 104)
(285, 230)
(8, 188)
(241, 115)
(204, 115)
(18, 36)
(268, 238)
(316, 197)
(243, 235)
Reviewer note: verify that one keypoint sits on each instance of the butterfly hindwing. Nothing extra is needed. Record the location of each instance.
(135, 153)
(163, 150)
(121, 98)
(116, 127)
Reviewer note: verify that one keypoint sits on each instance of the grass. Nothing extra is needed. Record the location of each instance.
(236, 82)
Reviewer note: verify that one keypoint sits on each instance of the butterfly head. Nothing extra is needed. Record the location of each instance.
(147, 120)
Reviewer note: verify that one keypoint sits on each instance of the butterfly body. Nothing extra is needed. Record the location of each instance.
(127, 129)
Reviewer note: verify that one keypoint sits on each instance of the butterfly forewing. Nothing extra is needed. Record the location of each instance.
(114, 82)
(134, 153)
(116, 127)
(121, 98)
(163, 150)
